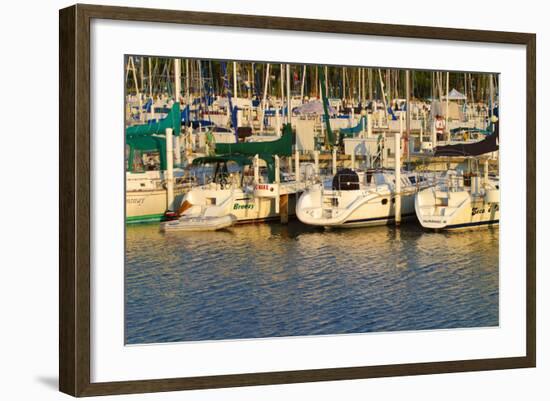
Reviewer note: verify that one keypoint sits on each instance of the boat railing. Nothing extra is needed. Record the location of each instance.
(451, 183)
(429, 180)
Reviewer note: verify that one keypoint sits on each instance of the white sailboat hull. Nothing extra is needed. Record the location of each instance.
(455, 210)
(371, 203)
(146, 195)
(143, 206)
(360, 208)
(241, 204)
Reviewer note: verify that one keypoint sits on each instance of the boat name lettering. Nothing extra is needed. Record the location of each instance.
(492, 208)
(238, 206)
(137, 201)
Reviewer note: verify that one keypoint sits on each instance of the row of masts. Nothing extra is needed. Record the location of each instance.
(151, 76)
(365, 74)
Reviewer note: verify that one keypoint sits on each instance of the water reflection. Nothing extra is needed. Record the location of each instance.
(270, 280)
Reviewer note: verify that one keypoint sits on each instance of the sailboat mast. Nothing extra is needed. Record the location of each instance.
(491, 94)
(150, 79)
(282, 79)
(370, 84)
(288, 102)
(138, 94)
(344, 84)
(187, 84)
(363, 99)
(303, 84)
(141, 73)
(408, 112)
(326, 81)
(177, 92)
(447, 102)
(177, 79)
(264, 100)
(382, 90)
(359, 85)
(398, 171)
(250, 80)
(235, 95)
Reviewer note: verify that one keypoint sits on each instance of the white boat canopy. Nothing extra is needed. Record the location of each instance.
(454, 95)
(313, 107)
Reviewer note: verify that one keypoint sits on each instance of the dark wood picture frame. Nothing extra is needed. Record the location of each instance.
(74, 199)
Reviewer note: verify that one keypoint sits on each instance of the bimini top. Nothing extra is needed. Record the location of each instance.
(487, 145)
(473, 130)
(241, 160)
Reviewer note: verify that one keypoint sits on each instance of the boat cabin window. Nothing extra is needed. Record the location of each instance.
(414, 179)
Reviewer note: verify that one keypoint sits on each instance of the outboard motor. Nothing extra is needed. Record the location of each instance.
(170, 215)
(345, 180)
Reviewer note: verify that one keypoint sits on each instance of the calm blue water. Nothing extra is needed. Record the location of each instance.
(269, 280)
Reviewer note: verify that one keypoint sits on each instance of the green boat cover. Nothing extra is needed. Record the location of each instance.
(281, 146)
(146, 144)
(172, 120)
(349, 132)
(152, 136)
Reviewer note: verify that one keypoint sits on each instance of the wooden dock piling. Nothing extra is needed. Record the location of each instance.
(283, 208)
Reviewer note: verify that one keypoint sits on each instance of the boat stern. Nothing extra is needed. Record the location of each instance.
(429, 205)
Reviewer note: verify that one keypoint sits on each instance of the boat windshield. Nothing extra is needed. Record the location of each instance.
(228, 172)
